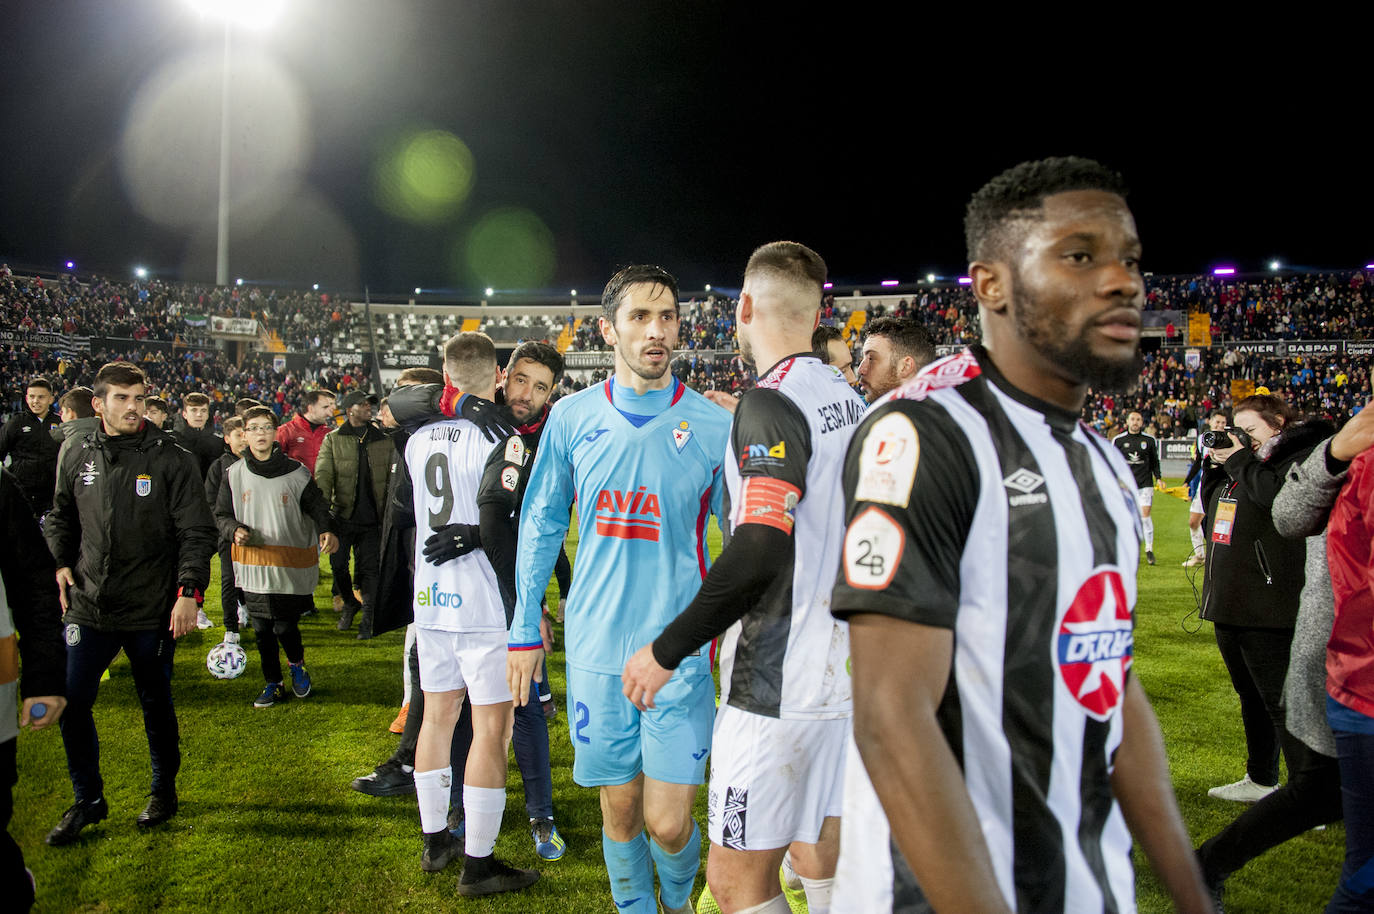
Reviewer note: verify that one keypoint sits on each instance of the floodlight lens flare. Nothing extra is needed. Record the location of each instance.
(965, 281)
(1224, 271)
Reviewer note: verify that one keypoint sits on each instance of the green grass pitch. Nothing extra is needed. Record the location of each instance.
(268, 822)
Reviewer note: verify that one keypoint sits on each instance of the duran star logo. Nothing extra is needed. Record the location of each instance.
(1094, 646)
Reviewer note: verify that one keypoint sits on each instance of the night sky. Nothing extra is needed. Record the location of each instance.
(552, 142)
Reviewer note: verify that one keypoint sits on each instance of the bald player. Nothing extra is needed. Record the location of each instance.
(777, 764)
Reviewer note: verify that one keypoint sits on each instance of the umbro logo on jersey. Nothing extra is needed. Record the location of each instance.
(1026, 482)
(595, 435)
(89, 473)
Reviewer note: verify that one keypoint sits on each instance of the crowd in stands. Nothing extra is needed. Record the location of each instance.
(1175, 399)
(123, 316)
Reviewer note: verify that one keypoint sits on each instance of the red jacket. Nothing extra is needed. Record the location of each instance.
(1350, 652)
(300, 440)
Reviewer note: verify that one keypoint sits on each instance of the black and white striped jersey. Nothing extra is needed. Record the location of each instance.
(1142, 456)
(788, 657)
(975, 507)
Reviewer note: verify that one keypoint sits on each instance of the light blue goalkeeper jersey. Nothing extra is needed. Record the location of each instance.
(643, 494)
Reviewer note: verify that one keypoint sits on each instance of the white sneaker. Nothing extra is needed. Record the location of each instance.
(203, 621)
(1194, 561)
(1242, 791)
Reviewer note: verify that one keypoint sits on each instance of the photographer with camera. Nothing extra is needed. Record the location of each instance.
(1253, 574)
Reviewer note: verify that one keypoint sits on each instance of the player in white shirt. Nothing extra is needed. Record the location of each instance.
(460, 634)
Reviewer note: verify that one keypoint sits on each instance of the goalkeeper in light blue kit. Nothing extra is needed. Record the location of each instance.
(642, 455)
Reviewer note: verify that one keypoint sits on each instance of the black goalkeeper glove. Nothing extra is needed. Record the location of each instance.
(486, 415)
(448, 543)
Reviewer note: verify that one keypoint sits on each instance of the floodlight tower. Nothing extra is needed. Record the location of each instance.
(257, 15)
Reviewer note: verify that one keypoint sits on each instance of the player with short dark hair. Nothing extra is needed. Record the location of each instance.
(783, 725)
(894, 349)
(1142, 456)
(643, 454)
(989, 580)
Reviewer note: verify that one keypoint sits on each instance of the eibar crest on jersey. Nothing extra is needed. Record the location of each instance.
(887, 463)
(681, 435)
(1095, 642)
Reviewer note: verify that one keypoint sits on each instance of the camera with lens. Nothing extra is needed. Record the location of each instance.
(1220, 440)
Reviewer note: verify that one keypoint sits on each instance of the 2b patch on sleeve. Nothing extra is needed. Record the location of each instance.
(873, 547)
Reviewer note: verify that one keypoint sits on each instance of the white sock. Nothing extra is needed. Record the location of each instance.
(1199, 541)
(482, 806)
(818, 894)
(775, 905)
(431, 791)
(1149, 533)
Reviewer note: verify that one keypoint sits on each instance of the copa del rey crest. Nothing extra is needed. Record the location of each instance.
(143, 484)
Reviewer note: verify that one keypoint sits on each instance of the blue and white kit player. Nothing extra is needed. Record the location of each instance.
(642, 457)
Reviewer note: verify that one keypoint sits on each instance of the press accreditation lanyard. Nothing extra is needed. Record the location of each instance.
(1225, 523)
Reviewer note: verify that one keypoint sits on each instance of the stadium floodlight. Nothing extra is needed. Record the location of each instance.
(257, 15)
(829, 285)
(417, 290)
(316, 287)
(965, 281)
(1224, 271)
(1274, 265)
(930, 277)
(888, 282)
(490, 291)
(574, 291)
(239, 281)
(141, 272)
(1369, 266)
(71, 265)
(708, 287)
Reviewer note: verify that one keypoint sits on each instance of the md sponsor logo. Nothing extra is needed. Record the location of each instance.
(450, 599)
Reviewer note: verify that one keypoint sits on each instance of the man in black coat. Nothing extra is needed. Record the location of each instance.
(28, 609)
(193, 431)
(27, 440)
(132, 537)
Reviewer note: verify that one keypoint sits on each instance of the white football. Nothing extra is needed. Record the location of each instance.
(226, 661)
